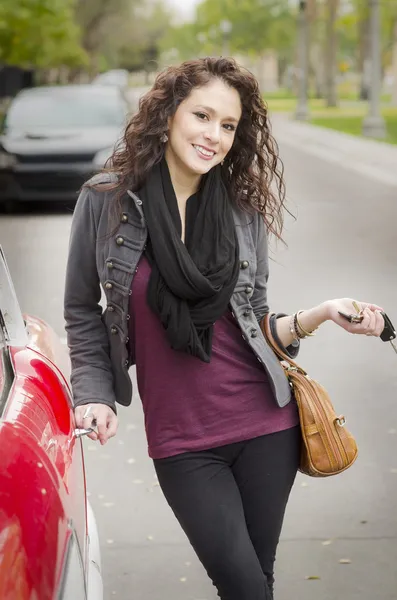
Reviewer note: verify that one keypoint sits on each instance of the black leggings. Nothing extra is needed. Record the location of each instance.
(230, 501)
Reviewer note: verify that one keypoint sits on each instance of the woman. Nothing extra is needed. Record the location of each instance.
(175, 233)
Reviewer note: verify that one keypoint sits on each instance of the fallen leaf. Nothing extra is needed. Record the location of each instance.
(312, 577)
(183, 579)
(344, 561)
(327, 542)
(150, 538)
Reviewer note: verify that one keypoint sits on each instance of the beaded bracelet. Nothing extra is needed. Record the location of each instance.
(295, 336)
(300, 335)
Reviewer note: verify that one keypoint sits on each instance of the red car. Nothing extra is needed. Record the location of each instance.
(49, 546)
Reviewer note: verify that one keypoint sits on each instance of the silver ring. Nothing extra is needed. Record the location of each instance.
(87, 413)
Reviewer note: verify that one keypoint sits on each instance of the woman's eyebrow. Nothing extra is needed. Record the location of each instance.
(212, 111)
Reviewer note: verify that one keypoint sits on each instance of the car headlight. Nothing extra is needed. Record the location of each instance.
(7, 161)
(102, 156)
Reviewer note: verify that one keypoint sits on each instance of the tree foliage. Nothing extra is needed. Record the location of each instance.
(39, 33)
(255, 26)
(143, 39)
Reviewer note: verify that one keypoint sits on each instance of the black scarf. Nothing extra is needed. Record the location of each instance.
(191, 284)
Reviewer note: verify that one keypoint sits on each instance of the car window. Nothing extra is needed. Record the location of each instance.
(66, 110)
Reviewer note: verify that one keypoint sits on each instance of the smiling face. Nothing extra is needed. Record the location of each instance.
(203, 128)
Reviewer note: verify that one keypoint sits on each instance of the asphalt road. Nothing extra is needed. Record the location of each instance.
(343, 244)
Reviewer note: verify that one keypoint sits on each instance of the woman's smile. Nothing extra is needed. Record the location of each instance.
(203, 152)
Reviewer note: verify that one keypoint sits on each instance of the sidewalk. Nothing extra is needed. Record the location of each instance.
(371, 158)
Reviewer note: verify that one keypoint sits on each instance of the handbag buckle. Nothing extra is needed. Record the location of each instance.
(341, 421)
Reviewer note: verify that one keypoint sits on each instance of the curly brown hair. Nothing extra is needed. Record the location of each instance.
(252, 163)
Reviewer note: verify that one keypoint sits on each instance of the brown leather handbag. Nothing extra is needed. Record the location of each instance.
(328, 448)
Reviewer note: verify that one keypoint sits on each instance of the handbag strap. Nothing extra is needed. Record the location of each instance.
(267, 332)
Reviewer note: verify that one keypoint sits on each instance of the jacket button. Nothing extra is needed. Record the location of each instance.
(244, 264)
(126, 362)
(108, 285)
(139, 202)
(113, 330)
(109, 264)
(124, 218)
(254, 333)
(248, 289)
(110, 308)
(119, 240)
(247, 312)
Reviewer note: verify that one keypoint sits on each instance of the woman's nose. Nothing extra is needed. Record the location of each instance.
(213, 133)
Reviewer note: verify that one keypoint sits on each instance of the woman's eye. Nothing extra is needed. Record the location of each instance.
(201, 115)
(230, 127)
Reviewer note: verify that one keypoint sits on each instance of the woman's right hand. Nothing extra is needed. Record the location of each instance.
(105, 418)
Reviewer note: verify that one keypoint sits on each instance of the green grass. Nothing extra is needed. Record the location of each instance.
(347, 117)
(352, 123)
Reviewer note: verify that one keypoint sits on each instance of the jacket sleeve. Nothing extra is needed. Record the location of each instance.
(259, 298)
(91, 377)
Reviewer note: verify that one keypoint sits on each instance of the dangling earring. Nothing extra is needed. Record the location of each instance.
(164, 138)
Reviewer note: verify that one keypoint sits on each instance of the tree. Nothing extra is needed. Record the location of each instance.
(331, 53)
(149, 26)
(123, 33)
(99, 20)
(256, 26)
(39, 34)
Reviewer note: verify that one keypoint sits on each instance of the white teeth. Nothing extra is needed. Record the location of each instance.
(204, 151)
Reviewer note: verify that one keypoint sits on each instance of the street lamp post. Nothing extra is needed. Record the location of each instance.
(226, 28)
(374, 124)
(302, 109)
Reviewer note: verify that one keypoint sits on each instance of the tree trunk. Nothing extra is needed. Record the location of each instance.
(317, 69)
(394, 66)
(364, 61)
(331, 53)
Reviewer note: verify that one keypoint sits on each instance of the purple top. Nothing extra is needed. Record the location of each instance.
(191, 405)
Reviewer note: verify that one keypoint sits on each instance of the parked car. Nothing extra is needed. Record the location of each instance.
(116, 77)
(54, 138)
(49, 548)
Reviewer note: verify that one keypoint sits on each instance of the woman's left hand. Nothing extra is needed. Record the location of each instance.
(372, 323)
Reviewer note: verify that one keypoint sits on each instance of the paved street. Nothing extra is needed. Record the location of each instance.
(343, 244)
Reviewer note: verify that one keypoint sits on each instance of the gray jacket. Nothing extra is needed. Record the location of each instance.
(98, 340)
